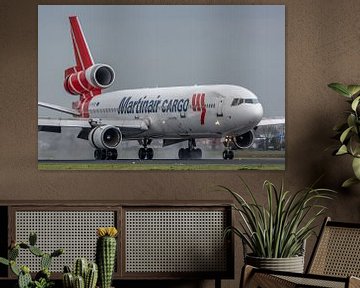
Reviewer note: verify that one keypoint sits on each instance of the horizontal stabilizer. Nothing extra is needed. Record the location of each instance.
(59, 108)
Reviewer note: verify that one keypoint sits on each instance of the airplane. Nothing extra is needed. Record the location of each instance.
(173, 114)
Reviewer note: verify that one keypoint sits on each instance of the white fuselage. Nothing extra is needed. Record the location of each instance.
(182, 112)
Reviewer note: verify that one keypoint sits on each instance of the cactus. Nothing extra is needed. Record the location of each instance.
(42, 278)
(90, 272)
(13, 253)
(91, 276)
(32, 239)
(68, 280)
(67, 269)
(57, 252)
(4, 261)
(36, 251)
(24, 245)
(80, 268)
(79, 282)
(44, 273)
(45, 261)
(24, 277)
(14, 268)
(105, 255)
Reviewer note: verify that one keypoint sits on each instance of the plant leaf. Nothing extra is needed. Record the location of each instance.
(351, 120)
(345, 134)
(354, 143)
(355, 103)
(349, 182)
(342, 150)
(4, 261)
(353, 90)
(356, 167)
(340, 88)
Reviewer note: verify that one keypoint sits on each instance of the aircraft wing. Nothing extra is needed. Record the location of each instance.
(127, 127)
(271, 121)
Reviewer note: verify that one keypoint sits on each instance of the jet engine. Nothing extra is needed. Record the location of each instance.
(243, 141)
(105, 137)
(98, 76)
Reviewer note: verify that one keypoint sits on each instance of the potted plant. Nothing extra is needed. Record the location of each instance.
(42, 278)
(84, 274)
(348, 132)
(276, 233)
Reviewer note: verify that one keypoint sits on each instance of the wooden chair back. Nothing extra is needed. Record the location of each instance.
(337, 251)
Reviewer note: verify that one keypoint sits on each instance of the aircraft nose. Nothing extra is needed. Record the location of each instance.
(258, 112)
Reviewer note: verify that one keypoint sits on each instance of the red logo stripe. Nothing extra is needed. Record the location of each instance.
(203, 109)
(193, 102)
(198, 108)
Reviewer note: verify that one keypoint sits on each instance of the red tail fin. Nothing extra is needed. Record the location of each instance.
(86, 78)
(82, 52)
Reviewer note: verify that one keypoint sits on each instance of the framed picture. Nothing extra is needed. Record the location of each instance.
(198, 87)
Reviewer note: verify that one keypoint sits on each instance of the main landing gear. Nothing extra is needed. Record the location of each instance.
(228, 153)
(105, 154)
(144, 152)
(191, 152)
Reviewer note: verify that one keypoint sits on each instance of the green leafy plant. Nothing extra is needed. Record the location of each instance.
(42, 278)
(348, 132)
(279, 229)
(43, 283)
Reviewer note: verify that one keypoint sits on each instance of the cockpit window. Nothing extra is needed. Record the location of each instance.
(238, 101)
(251, 101)
(235, 102)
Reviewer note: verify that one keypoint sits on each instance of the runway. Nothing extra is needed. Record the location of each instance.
(166, 162)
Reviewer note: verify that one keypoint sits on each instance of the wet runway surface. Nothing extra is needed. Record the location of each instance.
(241, 161)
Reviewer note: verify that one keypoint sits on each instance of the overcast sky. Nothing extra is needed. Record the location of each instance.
(157, 46)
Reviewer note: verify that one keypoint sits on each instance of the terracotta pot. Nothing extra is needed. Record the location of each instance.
(291, 264)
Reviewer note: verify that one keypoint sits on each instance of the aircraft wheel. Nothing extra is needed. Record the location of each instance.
(100, 154)
(196, 153)
(231, 154)
(111, 154)
(225, 154)
(149, 153)
(142, 153)
(182, 153)
(188, 153)
(97, 154)
(115, 154)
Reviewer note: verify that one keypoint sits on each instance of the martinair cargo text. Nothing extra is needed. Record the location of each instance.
(174, 114)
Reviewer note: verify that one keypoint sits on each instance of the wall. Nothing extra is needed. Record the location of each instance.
(322, 46)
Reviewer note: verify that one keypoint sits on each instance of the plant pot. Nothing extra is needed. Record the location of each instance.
(291, 264)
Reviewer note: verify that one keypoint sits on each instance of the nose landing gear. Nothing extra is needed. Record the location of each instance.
(228, 153)
(191, 152)
(144, 152)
